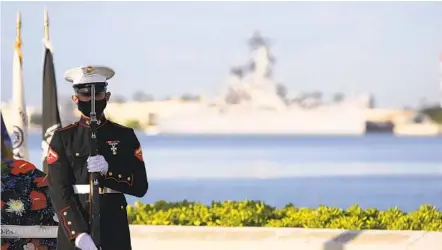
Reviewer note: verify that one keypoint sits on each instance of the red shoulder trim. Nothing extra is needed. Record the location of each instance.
(68, 126)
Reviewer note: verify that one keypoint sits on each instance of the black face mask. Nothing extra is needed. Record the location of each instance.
(85, 107)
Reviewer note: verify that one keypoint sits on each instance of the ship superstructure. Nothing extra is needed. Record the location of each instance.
(253, 103)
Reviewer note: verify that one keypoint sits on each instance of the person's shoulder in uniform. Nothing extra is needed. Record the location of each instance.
(127, 133)
(120, 127)
(67, 128)
(60, 139)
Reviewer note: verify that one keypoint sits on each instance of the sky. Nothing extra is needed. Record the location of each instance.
(388, 49)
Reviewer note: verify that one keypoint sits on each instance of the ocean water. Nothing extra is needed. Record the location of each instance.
(374, 171)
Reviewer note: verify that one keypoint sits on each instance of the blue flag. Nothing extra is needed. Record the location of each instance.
(7, 155)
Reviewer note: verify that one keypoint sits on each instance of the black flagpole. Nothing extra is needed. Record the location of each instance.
(50, 114)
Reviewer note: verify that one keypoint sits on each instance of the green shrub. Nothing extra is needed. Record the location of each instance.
(257, 214)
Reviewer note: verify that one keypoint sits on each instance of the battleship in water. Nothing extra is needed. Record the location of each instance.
(253, 103)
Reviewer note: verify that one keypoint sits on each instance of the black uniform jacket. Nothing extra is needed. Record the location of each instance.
(67, 155)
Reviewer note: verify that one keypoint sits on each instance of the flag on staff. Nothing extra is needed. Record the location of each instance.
(20, 122)
(7, 155)
(50, 113)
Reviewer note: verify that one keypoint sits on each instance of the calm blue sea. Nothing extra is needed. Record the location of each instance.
(375, 171)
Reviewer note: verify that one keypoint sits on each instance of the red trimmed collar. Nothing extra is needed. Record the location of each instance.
(86, 121)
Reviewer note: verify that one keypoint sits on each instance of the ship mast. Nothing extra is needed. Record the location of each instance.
(257, 41)
(259, 47)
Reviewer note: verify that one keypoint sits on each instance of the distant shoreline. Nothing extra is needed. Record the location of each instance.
(38, 131)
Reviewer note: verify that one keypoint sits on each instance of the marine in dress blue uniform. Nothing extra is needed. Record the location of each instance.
(119, 160)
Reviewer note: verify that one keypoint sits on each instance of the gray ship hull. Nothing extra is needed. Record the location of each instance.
(324, 121)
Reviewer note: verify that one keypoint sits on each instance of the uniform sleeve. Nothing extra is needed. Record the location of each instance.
(62, 195)
(128, 175)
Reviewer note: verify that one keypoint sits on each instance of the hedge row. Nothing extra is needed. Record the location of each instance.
(258, 214)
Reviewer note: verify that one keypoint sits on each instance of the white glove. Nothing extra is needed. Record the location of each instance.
(85, 242)
(97, 164)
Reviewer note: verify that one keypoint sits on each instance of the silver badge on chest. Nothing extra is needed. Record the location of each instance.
(113, 146)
